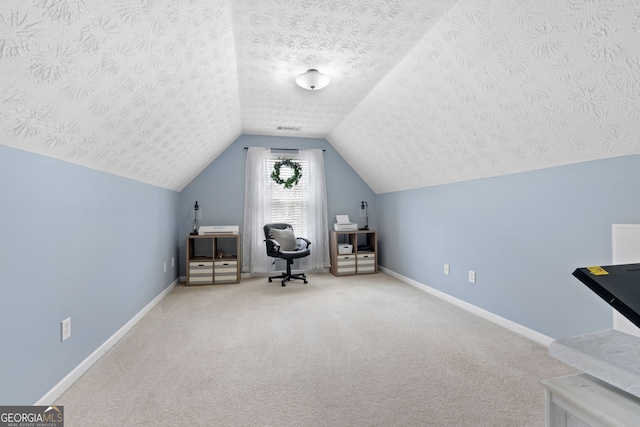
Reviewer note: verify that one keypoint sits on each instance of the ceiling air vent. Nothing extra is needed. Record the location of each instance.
(289, 128)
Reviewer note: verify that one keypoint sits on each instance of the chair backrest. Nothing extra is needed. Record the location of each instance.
(267, 235)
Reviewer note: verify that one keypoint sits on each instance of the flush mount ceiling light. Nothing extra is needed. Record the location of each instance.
(312, 80)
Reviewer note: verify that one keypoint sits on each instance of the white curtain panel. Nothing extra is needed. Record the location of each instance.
(258, 208)
(317, 208)
(257, 211)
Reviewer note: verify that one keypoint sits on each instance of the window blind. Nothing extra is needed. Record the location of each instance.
(290, 205)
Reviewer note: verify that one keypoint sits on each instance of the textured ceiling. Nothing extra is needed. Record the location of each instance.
(502, 86)
(422, 92)
(355, 42)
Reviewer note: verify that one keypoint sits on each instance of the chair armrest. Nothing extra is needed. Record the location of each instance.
(308, 243)
(274, 244)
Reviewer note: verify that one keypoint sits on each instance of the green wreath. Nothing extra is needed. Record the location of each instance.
(293, 179)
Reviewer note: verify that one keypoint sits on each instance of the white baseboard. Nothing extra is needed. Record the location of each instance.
(50, 397)
(505, 323)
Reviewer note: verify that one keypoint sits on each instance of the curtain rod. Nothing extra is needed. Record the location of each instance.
(282, 149)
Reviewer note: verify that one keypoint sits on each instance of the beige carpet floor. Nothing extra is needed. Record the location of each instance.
(351, 351)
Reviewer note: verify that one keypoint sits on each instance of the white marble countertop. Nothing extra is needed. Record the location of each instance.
(612, 356)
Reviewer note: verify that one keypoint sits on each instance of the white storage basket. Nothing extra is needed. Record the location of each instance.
(345, 248)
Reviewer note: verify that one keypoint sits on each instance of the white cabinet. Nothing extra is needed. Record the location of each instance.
(584, 401)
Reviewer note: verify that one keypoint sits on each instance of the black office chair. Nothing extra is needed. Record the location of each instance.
(282, 243)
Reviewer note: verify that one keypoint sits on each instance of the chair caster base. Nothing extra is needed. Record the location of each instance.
(288, 277)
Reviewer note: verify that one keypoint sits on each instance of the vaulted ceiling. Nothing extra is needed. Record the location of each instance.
(422, 92)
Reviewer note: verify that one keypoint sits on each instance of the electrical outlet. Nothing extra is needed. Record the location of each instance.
(173, 262)
(165, 267)
(472, 276)
(66, 328)
(446, 269)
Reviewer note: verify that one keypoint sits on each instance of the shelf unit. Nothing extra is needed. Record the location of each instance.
(359, 261)
(205, 266)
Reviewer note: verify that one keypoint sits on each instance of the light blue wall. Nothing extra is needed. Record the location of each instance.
(523, 234)
(79, 243)
(219, 189)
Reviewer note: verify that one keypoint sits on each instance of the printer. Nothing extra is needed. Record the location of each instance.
(343, 224)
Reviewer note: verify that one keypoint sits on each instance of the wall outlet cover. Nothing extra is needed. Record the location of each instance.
(66, 328)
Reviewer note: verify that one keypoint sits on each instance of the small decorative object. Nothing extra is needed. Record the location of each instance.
(293, 179)
(363, 213)
(197, 214)
(220, 255)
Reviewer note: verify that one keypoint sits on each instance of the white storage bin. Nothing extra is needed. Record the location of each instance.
(346, 264)
(345, 248)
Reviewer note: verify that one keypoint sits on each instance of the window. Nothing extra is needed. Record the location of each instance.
(290, 205)
(304, 206)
